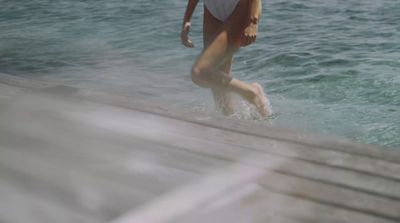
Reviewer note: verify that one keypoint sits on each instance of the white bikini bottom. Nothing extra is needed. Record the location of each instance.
(221, 9)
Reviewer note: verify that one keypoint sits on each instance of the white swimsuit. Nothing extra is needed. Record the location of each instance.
(221, 9)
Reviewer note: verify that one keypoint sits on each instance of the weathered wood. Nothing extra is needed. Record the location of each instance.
(257, 204)
(94, 157)
(212, 143)
(21, 205)
(246, 128)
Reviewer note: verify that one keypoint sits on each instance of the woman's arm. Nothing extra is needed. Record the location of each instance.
(186, 23)
(250, 33)
(255, 10)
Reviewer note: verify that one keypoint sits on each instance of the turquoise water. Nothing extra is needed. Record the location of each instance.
(328, 66)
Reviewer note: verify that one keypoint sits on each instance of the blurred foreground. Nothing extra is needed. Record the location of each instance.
(70, 156)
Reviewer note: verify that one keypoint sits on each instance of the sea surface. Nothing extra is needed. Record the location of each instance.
(327, 66)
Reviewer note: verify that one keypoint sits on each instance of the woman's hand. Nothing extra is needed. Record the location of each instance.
(185, 36)
(249, 34)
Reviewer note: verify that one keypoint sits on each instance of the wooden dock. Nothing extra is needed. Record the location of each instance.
(68, 155)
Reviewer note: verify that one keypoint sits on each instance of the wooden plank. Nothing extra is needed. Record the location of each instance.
(333, 195)
(338, 159)
(75, 189)
(207, 142)
(279, 148)
(382, 167)
(13, 158)
(242, 127)
(188, 137)
(21, 205)
(246, 128)
(100, 160)
(180, 134)
(257, 205)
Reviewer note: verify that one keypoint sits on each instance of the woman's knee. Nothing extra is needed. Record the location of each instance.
(198, 76)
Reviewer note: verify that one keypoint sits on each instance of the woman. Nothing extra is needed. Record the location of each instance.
(227, 25)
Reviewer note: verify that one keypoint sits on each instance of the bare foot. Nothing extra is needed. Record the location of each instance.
(260, 101)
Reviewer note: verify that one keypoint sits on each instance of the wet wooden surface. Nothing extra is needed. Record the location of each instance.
(69, 155)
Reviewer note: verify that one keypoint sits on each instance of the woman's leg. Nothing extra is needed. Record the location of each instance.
(222, 46)
(222, 98)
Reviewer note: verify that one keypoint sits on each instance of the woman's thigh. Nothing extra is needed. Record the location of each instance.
(222, 39)
(211, 26)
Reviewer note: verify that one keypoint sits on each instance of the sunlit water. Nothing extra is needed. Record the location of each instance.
(327, 66)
